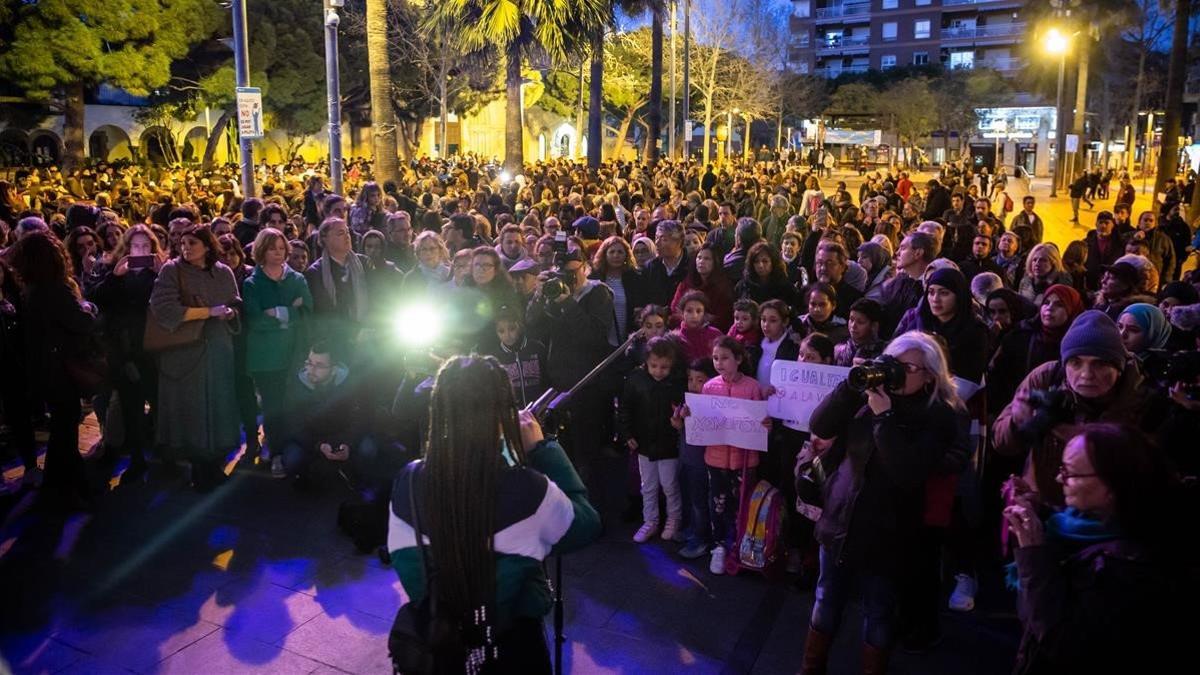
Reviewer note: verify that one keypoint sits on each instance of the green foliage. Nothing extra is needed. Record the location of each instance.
(854, 105)
(129, 44)
(549, 25)
(912, 107)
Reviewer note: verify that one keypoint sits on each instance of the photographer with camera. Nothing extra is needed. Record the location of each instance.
(573, 316)
(471, 524)
(1094, 380)
(896, 421)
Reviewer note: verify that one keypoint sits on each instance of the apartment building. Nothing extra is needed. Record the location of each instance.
(832, 37)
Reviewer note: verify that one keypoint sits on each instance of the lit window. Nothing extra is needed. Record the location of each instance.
(891, 4)
(801, 9)
(889, 30)
(921, 29)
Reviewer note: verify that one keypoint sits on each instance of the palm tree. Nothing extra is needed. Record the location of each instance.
(383, 117)
(1168, 160)
(514, 28)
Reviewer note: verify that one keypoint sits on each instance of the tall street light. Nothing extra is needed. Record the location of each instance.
(1057, 44)
(333, 91)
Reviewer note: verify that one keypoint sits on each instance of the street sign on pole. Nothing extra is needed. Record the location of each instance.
(250, 112)
(1072, 143)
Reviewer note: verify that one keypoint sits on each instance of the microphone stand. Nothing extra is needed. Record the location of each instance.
(549, 407)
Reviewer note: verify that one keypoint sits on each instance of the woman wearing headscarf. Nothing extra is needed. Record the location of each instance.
(1144, 330)
(877, 263)
(947, 310)
(1177, 294)
(1031, 343)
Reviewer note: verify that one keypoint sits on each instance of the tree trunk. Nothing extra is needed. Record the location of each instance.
(654, 107)
(214, 137)
(595, 144)
(579, 122)
(1168, 160)
(707, 127)
(514, 133)
(1131, 148)
(383, 117)
(73, 126)
(1080, 162)
(622, 132)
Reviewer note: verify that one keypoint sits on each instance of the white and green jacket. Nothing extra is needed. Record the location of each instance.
(542, 509)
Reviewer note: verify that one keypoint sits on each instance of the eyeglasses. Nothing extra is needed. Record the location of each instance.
(912, 367)
(484, 266)
(1064, 476)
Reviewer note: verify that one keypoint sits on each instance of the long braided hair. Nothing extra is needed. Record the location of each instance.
(471, 412)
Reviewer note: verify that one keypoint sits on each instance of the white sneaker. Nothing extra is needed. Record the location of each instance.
(33, 478)
(671, 531)
(716, 564)
(963, 597)
(646, 533)
(277, 470)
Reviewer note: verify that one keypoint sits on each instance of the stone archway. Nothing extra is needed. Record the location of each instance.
(193, 145)
(46, 147)
(14, 147)
(158, 146)
(109, 143)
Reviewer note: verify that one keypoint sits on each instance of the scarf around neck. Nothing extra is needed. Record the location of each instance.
(357, 281)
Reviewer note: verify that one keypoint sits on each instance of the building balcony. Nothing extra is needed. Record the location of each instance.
(843, 44)
(998, 30)
(966, 4)
(844, 12)
(1003, 64)
(831, 72)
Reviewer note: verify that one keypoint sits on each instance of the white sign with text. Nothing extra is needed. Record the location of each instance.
(721, 420)
(799, 388)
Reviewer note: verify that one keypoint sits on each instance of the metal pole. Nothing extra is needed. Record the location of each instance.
(333, 93)
(671, 116)
(1059, 137)
(241, 69)
(1149, 148)
(687, 93)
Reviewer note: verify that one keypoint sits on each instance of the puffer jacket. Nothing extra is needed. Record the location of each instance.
(878, 468)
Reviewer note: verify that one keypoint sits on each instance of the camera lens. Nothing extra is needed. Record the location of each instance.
(864, 377)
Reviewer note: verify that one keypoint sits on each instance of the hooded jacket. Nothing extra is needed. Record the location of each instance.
(575, 330)
(330, 413)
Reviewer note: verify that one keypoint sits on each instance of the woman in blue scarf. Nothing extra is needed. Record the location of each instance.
(1097, 593)
(1143, 328)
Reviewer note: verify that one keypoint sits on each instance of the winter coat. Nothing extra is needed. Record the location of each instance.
(1108, 607)
(936, 203)
(526, 368)
(1162, 252)
(1127, 403)
(123, 302)
(752, 289)
(728, 456)
(1096, 260)
(273, 344)
(1022, 349)
(877, 469)
(965, 335)
(720, 302)
(645, 411)
(659, 285)
(57, 329)
(575, 330)
(197, 408)
(332, 413)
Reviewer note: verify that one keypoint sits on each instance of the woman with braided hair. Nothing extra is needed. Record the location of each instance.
(493, 498)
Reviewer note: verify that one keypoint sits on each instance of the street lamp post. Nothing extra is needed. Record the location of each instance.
(1057, 43)
(241, 69)
(671, 116)
(687, 93)
(729, 135)
(333, 93)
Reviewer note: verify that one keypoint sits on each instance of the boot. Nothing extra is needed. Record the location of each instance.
(816, 652)
(875, 660)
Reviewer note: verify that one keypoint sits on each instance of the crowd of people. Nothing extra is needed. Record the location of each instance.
(1040, 401)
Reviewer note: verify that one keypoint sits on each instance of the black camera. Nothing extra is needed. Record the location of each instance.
(558, 284)
(885, 371)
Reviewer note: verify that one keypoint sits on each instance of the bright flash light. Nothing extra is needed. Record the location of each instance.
(1056, 42)
(417, 325)
(505, 177)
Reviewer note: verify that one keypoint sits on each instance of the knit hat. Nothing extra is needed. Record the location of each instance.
(1152, 322)
(1094, 334)
(587, 227)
